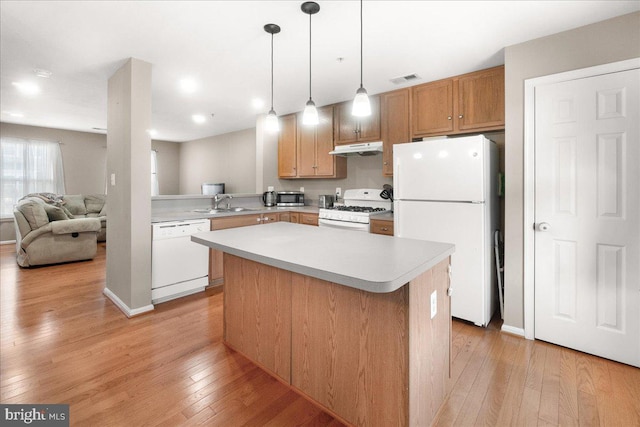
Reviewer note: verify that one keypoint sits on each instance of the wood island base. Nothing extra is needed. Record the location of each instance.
(374, 359)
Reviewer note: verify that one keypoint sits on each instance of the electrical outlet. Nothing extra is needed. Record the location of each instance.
(338, 192)
(302, 189)
(113, 179)
(434, 304)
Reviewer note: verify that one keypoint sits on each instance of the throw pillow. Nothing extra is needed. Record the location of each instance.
(75, 204)
(55, 213)
(34, 213)
(67, 211)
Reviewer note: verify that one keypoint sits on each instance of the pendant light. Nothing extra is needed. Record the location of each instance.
(361, 104)
(310, 114)
(271, 122)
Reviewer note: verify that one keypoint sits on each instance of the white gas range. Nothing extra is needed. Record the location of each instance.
(359, 206)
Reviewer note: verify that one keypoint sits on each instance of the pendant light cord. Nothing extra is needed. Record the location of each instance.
(272, 71)
(361, 66)
(309, 56)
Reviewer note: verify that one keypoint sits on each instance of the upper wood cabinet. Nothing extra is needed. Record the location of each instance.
(313, 146)
(303, 151)
(349, 129)
(287, 147)
(481, 100)
(468, 103)
(395, 124)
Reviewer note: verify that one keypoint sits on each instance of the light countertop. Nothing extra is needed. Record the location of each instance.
(370, 262)
(189, 215)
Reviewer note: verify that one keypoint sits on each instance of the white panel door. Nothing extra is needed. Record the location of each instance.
(587, 213)
(451, 169)
(462, 224)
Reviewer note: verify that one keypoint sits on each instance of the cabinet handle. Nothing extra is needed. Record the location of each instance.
(258, 219)
(460, 116)
(449, 117)
(384, 229)
(385, 163)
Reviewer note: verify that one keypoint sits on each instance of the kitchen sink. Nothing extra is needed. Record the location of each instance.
(221, 210)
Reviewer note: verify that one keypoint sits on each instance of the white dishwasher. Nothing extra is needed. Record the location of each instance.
(179, 267)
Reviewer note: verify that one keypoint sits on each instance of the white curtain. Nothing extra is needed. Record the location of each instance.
(29, 166)
(154, 173)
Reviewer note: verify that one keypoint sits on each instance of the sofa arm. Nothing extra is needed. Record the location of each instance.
(78, 225)
(34, 234)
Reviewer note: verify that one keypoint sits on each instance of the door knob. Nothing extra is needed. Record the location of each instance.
(543, 226)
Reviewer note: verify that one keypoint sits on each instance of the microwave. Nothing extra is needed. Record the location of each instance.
(289, 198)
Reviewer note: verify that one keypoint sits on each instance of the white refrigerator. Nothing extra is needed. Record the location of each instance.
(445, 190)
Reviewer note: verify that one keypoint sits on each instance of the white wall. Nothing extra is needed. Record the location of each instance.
(228, 158)
(608, 41)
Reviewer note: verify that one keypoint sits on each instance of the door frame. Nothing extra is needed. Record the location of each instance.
(529, 173)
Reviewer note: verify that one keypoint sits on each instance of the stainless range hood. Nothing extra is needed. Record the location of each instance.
(362, 149)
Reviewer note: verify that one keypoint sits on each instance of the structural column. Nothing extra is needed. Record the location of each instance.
(128, 188)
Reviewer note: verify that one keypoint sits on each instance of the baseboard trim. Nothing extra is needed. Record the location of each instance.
(124, 307)
(513, 330)
(7, 242)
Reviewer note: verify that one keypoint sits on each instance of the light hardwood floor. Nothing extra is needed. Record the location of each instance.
(62, 341)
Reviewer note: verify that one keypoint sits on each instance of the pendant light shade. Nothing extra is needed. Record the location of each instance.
(310, 114)
(271, 122)
(361, 103)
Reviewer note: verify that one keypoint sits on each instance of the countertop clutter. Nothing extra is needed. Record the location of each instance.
(364, 261)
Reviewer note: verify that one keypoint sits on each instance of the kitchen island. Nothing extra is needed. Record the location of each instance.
(358, 323)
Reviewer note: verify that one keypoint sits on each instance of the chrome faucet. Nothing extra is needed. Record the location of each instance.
(220, 197)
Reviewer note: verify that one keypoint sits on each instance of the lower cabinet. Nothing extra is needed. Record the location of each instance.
(302, 218)
(216, 268)
(381, 227)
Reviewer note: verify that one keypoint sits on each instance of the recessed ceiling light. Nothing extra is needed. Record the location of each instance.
(152, 132)
(199, 118)
(257, 103)
(27, 88)
(188, 85)
(45, 74)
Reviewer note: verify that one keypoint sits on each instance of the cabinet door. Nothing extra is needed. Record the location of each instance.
(235, 221)
(326, 164)
(481, 100)
(294, 217)
(432, 108)
(395, 126)
(216, 272)
(381, 227)
(344, 124)
(309, 219)
(270, 217)
(306, 149)
(287, 147)
(369, 127)
(285, 217)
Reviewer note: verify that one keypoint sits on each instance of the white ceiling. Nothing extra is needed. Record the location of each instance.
(223, 46)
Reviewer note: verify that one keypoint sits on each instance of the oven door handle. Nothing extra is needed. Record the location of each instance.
(357, 226)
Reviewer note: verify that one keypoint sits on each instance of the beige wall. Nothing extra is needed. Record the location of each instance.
(84, 156)
(228, 158)
(600, 43)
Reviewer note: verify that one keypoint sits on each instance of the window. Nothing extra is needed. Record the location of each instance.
(28, 166)
(154, 173)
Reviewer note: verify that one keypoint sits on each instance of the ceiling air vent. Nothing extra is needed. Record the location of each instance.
(405, 79)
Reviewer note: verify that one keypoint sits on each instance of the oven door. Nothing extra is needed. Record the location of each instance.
(343, 225)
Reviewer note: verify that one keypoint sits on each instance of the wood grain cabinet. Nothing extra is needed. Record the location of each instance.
(303, 151)
(349, 129)
(395, 114)
(287, 147)
(379, 226)
(216, 269)
(463, 104)
(313, 146)
(309, 218)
